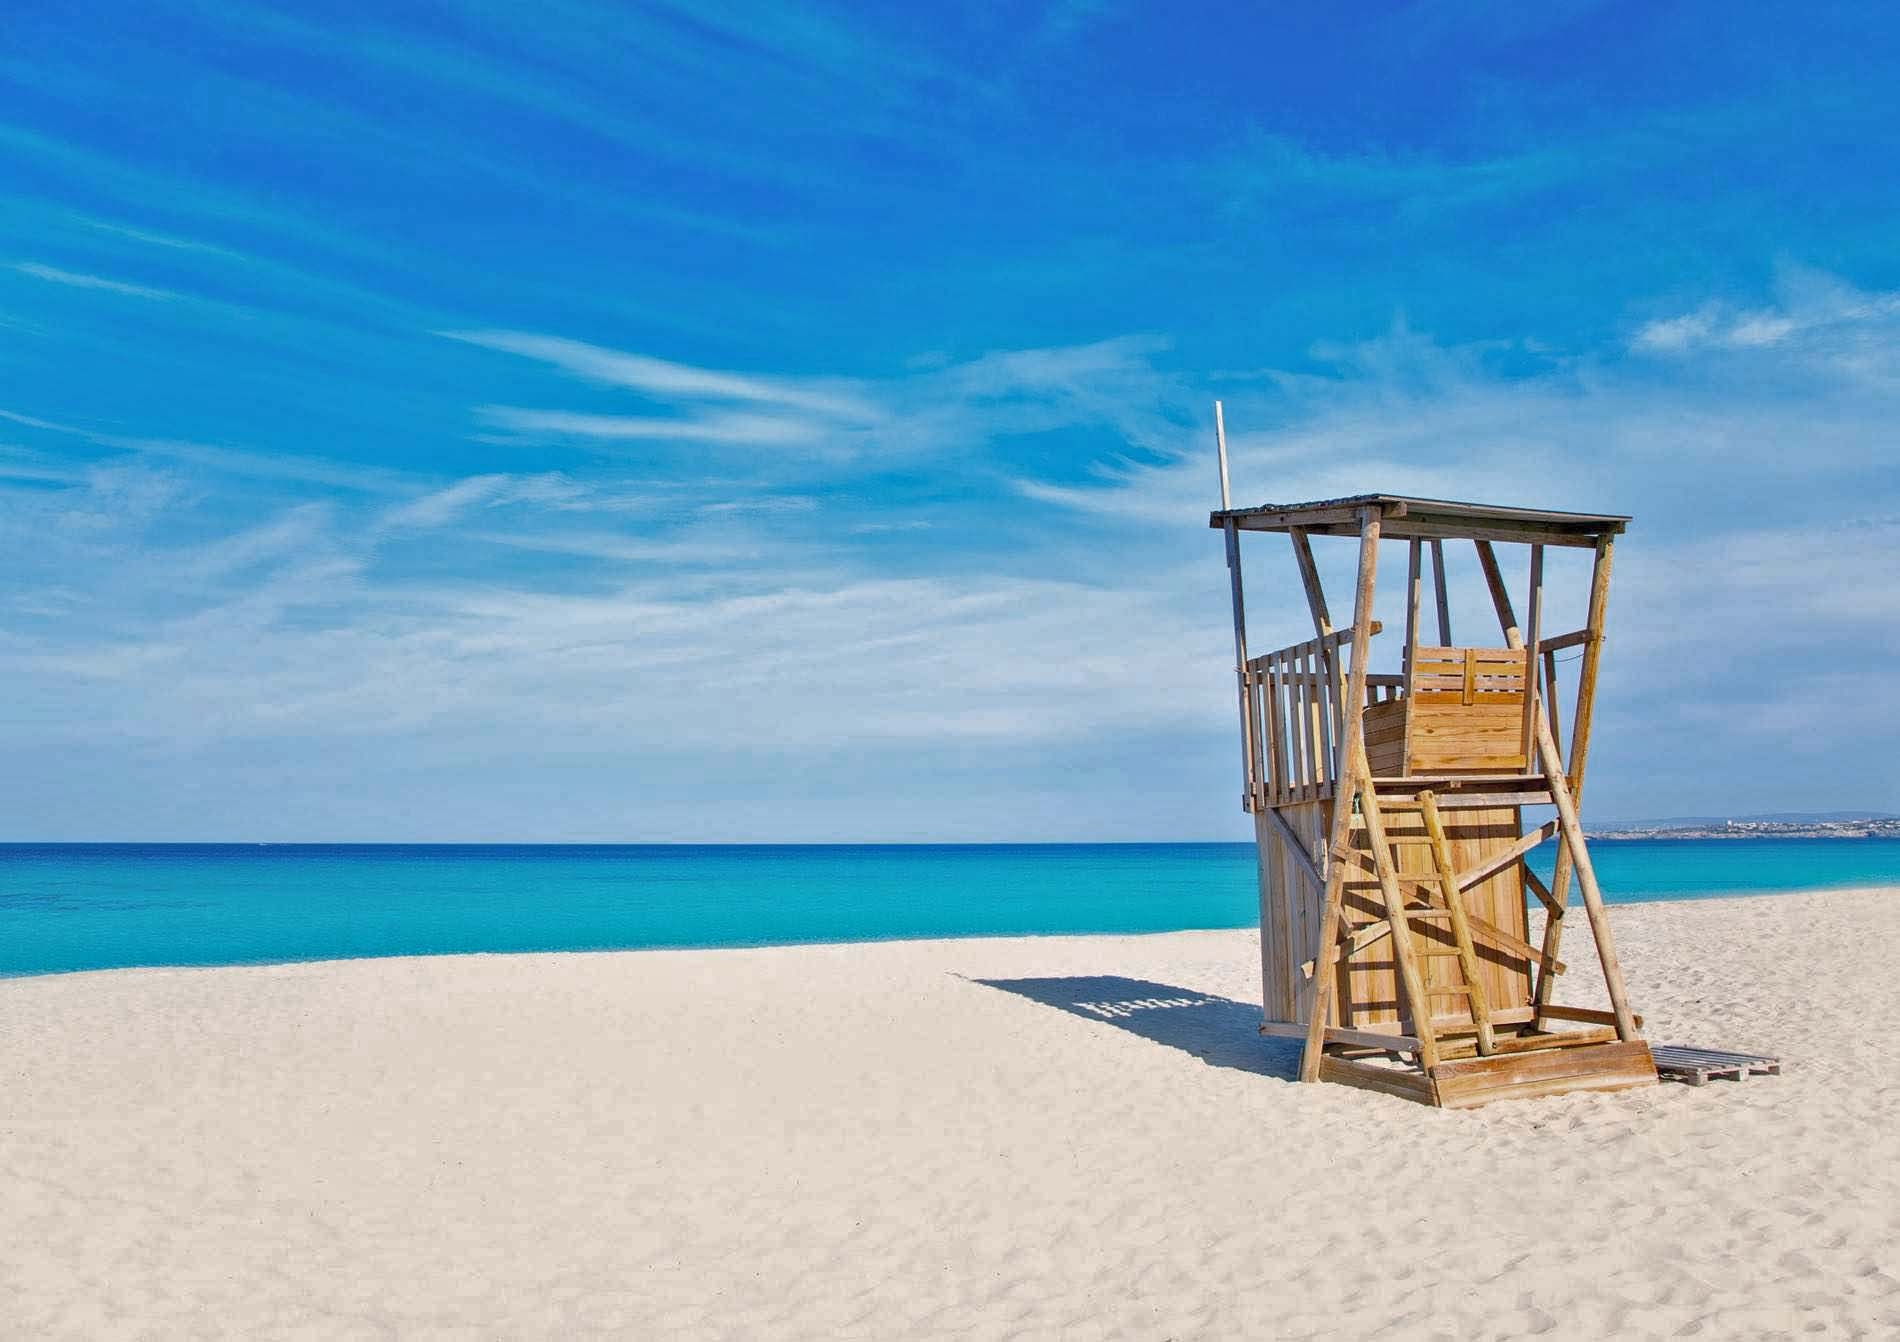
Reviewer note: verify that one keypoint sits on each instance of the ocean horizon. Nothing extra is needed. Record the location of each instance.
(74, 907)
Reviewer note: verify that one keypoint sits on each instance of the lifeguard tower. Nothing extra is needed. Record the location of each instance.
(1388, 813)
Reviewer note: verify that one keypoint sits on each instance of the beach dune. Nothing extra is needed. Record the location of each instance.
(1032, 1137)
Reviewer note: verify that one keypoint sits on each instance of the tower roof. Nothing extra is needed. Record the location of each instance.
(1405, 518)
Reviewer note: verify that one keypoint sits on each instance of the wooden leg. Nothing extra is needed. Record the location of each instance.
(1572, 831)
(1354, 775)
(1325, 958)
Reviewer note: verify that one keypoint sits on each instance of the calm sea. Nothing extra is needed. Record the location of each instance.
(99, 906)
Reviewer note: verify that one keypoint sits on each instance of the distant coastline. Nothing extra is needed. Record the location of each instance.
(1759, 827)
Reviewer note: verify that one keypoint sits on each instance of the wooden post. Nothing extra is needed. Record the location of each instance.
(1572, 830)
(1587, 669)
(1412, 598)
(1438, 587)
(1249, 760)
(1249, 765)
(1500, 594)
(1220, 450)
(1534, 610)
(1309, 579)
(1344, 794)
(1579, 755)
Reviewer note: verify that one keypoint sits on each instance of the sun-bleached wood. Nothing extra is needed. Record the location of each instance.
(1395, 938)
(1324, 987)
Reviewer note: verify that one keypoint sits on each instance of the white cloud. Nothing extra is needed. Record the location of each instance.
(725, 429)
(673, 381)
(731, 619)
(943, 407)
(1817, 323)
(78, 280)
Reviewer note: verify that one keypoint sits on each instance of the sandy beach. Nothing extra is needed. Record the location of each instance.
(1036, 1137)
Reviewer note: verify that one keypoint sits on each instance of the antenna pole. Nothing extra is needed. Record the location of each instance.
(1220, 445)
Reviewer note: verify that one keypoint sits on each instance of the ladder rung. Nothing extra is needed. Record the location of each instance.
(1437, 954)
(1462, 989)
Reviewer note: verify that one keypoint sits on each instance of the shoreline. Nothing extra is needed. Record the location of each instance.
(702, 948)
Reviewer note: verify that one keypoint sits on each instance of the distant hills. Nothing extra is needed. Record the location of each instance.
(1771, 825)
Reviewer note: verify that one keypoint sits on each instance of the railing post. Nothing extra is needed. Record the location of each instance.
(1249, 766)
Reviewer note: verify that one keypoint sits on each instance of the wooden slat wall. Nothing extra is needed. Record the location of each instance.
(1369, 984)
(1289, 911)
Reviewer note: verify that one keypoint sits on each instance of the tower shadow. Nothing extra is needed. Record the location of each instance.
(1218, 1030)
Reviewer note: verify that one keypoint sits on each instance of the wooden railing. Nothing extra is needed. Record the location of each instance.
(1293, 716)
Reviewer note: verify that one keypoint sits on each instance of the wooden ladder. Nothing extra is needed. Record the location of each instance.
(1445, 902)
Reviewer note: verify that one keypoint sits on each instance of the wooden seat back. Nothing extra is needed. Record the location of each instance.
(1465, 711)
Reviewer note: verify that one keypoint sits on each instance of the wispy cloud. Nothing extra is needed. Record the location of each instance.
(672, 381)
(1817, 321)
(943, 405)
(760, 430)
(79, 280)
(236, 461)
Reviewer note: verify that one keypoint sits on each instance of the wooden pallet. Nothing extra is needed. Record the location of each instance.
(1694, 1066)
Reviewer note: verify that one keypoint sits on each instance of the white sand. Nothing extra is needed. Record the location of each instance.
(868, 1141)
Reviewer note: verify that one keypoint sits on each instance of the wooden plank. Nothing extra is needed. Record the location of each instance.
(1272, 877)
(1461, 930)
(1510, 533)
(1403, 950)
(1404, 1082)
(1531, 1043)
(1489, 933)
(1296, 850)
(1582, 1015)
(1576, 638)
(1475, 801)
(1396, 1043)
(1466, 1083)
(1354, 758)
(1296, 731)
(1323, 711)
(1536, 882)
(1276, 737)
(1504, 857)
(1307, 519)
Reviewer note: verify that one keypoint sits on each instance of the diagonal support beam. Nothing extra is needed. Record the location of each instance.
(1488, 932)
(1350, 787)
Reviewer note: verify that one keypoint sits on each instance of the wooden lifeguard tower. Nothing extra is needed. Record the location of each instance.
(1388, 816)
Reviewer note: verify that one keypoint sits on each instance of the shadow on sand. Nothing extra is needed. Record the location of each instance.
(1218, 1030)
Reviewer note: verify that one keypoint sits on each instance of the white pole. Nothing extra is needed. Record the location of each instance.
(1220, 445)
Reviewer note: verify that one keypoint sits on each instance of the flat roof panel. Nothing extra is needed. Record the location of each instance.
(1405, 517)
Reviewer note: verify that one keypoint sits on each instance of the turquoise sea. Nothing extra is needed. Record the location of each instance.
(99, 906)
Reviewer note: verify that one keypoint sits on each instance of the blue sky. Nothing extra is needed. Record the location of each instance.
(574, 421)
